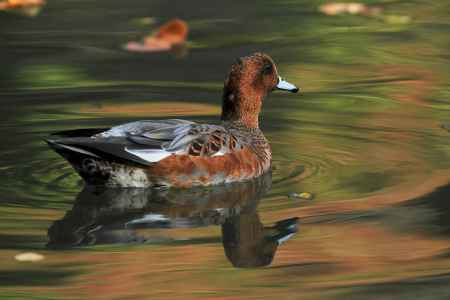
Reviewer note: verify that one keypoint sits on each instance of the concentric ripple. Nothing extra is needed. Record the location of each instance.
(41, 180)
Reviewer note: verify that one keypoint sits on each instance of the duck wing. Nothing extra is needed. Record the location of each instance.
(186, 139)
(147, 142)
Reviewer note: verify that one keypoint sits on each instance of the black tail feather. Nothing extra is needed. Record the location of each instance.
(84, 132)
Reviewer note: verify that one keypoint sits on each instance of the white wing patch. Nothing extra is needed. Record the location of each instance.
(150, 155)
(155, 155)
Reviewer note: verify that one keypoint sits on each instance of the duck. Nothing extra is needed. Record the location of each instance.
(181, 153)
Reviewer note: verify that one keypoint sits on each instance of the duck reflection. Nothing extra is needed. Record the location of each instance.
(109, 216)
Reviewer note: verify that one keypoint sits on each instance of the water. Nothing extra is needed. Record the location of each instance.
(364, 137)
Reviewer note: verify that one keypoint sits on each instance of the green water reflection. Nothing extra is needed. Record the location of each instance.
(365, 137)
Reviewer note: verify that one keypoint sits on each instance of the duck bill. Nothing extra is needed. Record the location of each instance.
(286, 86)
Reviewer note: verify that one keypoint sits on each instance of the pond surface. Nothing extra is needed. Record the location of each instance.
(368, 137)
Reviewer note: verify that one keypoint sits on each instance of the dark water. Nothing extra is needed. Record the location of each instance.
(365, 138)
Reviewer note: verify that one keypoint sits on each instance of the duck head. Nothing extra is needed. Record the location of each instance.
(251, 78)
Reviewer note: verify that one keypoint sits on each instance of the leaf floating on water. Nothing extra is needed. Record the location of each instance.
(12, 4)
(169, 36)
(29, 8)
(303, 195)
(29, 257)
(353, 8)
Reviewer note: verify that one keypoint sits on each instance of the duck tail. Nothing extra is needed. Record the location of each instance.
(90, 166)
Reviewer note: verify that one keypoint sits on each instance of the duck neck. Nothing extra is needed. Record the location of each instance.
(241, 107)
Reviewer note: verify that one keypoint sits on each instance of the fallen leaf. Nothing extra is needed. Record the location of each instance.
(168, 37)
(15, 4)
(353, 8)
(303, 195)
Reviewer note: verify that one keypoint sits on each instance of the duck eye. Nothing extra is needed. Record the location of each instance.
(267, 69)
